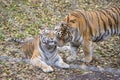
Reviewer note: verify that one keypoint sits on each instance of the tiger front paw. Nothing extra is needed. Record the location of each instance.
(47, 69)
(65, 65)
(70, 59)
(62, 65)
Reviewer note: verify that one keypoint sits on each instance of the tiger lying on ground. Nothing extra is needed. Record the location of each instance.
(86, 27)
(42, 50)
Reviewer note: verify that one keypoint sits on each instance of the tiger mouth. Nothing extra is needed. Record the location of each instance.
(52, 43)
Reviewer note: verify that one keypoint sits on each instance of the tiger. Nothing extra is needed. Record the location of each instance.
(83, 28)
(42, 51)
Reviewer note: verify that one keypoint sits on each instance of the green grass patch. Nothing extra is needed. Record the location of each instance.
(2, 36)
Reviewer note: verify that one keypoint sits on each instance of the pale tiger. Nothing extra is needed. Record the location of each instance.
(42, 51)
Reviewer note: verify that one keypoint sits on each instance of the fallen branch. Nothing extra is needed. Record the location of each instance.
(93, 68)
(73, 66)
(11, 59)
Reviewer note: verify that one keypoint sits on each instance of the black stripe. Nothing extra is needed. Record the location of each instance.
(103, 20)
(110, 22)
(53, 57)
(90, 16)
(112, 16)
(106, 31)
(116, 9)
(87, 21)
(42, 48)
(53, 49)
(116, 20)
(57, 59)
(105, 34)
(67, 18)
(100, 37)
(43, 52)
(97, 39)
(48, 52)
(112, 9)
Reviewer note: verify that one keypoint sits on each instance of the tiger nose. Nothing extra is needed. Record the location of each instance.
(51, 39)
(59, 33)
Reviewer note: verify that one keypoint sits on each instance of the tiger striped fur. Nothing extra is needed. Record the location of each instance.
(87, 27)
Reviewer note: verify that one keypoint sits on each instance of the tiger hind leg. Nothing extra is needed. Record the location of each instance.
(41, 64)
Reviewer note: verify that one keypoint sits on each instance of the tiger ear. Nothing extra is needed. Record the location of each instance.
(37, 39)
(43, 39)
(66, 19)
(41, 31)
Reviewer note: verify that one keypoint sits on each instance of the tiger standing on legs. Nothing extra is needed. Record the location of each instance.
(85, 27)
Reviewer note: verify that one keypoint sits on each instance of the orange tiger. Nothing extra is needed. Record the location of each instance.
(86, 27)
(42, 50)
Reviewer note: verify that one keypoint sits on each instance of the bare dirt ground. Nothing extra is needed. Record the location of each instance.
(105, 67)
(22, 18)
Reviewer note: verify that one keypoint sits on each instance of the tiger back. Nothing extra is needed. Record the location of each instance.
(29, 46)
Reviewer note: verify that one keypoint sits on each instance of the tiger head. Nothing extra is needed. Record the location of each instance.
(77, 20)
(47, 38)
(62, 33)
(44, 40)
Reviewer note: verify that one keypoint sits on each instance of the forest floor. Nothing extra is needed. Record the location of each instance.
(23, 18)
